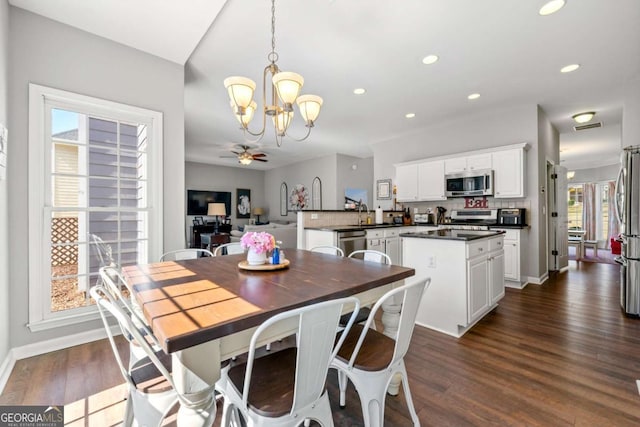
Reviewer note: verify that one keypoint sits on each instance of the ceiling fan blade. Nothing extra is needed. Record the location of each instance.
(261, 160)
(237, 154)
(259, 155)
(228, 157)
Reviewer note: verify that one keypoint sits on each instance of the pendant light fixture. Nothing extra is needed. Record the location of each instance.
(283, 88)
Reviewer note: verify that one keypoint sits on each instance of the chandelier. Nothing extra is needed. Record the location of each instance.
(284, 87)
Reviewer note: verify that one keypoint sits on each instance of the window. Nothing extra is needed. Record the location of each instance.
(97, 171)
(574, 204)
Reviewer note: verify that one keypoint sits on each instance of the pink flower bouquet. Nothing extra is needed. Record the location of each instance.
(260, 242)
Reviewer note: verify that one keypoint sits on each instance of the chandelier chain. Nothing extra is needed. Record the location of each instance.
(273, 56)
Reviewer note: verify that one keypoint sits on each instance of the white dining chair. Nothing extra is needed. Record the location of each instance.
(370, 359)
(371, 255)
(229, 249)
(184, 254)
(151, 392)
(328, 249)
(287, 387)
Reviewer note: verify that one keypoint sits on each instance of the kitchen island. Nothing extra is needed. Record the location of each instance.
(467, 276)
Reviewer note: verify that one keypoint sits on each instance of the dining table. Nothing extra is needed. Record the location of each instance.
(204, 311)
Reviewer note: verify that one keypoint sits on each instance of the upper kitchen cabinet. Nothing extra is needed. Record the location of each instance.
(467, 163)
(420, 181)
(508, 173)
(407, 183)
(431, 180)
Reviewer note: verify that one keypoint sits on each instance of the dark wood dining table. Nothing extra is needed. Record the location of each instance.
(204, 311)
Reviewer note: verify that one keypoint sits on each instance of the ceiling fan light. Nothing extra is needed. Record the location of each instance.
(240, 91)
(281, 121)
(309, 107)
(583, 117)
(288, 85)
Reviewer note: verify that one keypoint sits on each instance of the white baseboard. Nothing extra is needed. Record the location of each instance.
(47, 346)
(5, 370)
(538, 280)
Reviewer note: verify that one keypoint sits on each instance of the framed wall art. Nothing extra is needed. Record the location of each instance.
(243, 203)
(383, 189)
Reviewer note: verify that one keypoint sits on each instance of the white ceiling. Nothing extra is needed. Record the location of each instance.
(500, 48)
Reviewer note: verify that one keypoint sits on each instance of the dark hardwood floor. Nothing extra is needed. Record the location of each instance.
(560, 354)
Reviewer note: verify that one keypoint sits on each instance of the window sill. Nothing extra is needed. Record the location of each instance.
(43, 325)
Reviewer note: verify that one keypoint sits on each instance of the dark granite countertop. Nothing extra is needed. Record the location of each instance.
(463, 235)
(362, 227)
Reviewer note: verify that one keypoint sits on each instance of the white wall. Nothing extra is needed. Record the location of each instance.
(301, 173)
(45, 52)
(631, 114)
(200, 176)
(4, 239)
(601, 174)
(347, 177)
(484, 130)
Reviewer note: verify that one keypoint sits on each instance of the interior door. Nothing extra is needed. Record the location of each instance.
(558, 218)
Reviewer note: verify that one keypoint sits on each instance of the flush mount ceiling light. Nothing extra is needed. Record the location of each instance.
(473, 96)
(359, 91)
(430, 59)
(410, 115)
(583, 117)
(551, 7)
(284, 88)
(569, 68)
(571, 174)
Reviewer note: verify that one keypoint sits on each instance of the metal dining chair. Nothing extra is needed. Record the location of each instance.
(151, 392)
(229, 249)
(371, 255)
(328, 249)
(287, 387)
(370, 359)
(183, 254)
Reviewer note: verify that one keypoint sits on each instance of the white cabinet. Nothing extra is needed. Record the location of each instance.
(431, 180)
(468, 163)
(386, 240)
(508, 173)
(514, 244)
(420, 181)
(478, 287)
(315, 238)
(466, 280)
(407, 183)
(485, 275)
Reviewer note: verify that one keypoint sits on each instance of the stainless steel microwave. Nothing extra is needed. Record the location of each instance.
(468, 184)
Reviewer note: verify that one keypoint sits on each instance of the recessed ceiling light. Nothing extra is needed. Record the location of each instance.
(430, 59)
(359, 91)
(551, 7)
(569, 68)
(473, 96)
(583, 117)
(410, 115)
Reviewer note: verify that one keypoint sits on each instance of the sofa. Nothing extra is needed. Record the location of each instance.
(285, 233)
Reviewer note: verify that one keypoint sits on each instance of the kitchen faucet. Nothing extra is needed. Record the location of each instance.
(360, 211)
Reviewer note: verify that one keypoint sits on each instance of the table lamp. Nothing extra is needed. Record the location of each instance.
(217, 210)
(257, 212)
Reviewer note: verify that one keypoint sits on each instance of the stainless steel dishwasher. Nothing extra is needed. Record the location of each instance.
(352, 240)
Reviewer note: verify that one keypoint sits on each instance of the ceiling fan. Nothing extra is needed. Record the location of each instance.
(245, 157)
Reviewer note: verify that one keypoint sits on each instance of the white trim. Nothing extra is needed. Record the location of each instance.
(538, 280)
(48, 346)
(5, 370)
(40, 100)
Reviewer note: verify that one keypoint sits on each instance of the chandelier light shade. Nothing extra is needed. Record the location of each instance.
(284, 88)
(583, 117)
(571, 174)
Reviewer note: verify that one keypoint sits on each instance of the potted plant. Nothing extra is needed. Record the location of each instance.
(258, 245)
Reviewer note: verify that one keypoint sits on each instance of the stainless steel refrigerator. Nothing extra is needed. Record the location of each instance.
(627, 204)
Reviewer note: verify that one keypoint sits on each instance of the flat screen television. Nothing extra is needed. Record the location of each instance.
(198, 201)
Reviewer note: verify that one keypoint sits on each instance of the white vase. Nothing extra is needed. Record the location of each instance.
(254, 258)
